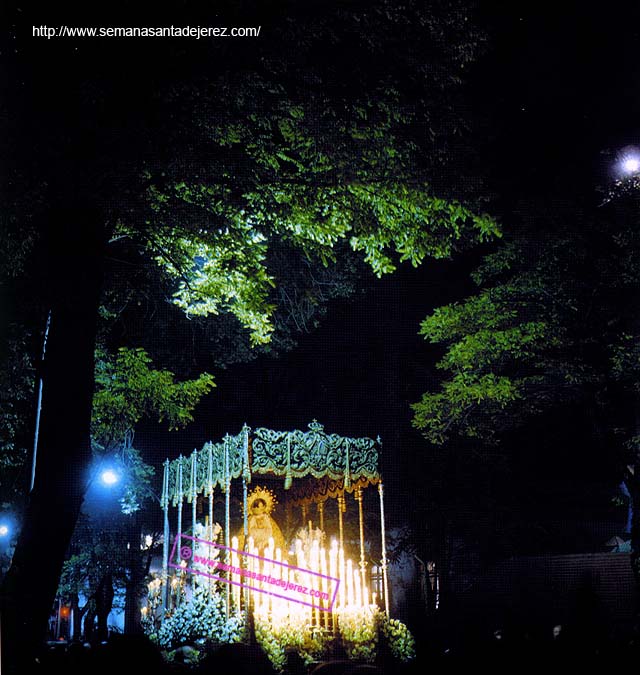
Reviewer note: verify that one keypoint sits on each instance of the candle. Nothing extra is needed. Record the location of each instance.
(356, 583)
(267, 569)
(251, 566)
(343, 578)
(286, 603)
(313, 579)
(299, 552)
(333, 554)
(324, 585)
(314, 560)
(323, 570)
(349, 583)
(235, 578)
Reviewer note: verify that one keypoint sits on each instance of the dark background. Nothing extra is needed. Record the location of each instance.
(554, 96)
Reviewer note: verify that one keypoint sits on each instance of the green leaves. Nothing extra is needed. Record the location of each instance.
(625, 361)
(412, 223)
(438, 415)
(479, 312)
(301, 150)
(225, 267)
(399, 639)
(507, 349)
(127, 389)
(359, 632)
(230, 275)
(489, 347)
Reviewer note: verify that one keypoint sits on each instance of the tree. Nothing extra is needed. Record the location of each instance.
(284, 146)
(128, 389)
(18, 349)
(109, 554)
(137, 310)
(105, 557)
(514, 348)
(553, 327)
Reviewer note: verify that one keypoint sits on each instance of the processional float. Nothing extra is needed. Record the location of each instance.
(321, 479)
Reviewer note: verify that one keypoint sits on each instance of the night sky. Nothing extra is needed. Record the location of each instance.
(558, 93)
(554, 91)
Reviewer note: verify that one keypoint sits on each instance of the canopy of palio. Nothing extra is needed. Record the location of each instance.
(329, 463)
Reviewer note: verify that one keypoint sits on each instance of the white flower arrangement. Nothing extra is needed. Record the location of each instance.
(201, 617)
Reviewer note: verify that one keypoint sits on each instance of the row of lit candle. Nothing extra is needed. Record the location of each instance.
(313, 569)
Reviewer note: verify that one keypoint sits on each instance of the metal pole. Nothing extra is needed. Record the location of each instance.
(246, 477)
(384, 550)
(210, 488)
(245, 523)
(178, 559)
(166, 535)
(227, 519)
(342, 507)
(358, 496)
(194, 499)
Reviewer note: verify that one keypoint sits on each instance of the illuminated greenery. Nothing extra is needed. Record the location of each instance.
(205, 160)
(128, 389)
(511, 349)
(359, 634)
(550, 324)
(225, 268)
(302, 151)
(402, 644)
(291, 633)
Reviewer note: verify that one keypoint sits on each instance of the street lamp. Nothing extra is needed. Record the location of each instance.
(629, 161)
(109, 477)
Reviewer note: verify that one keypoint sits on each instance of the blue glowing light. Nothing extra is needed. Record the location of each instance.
(631, 164)
(109, 477)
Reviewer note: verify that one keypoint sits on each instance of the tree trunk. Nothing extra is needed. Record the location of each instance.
(90, 623)
(74, 607)
(132, 625)
(104, 604)
(135, 576)
(78, 615)
(75, 249)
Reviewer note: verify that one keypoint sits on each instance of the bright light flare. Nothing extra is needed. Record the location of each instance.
(109, 477)
(628, 161)
(4, 530)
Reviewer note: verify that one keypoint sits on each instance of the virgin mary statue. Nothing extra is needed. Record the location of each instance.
(260, 525)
